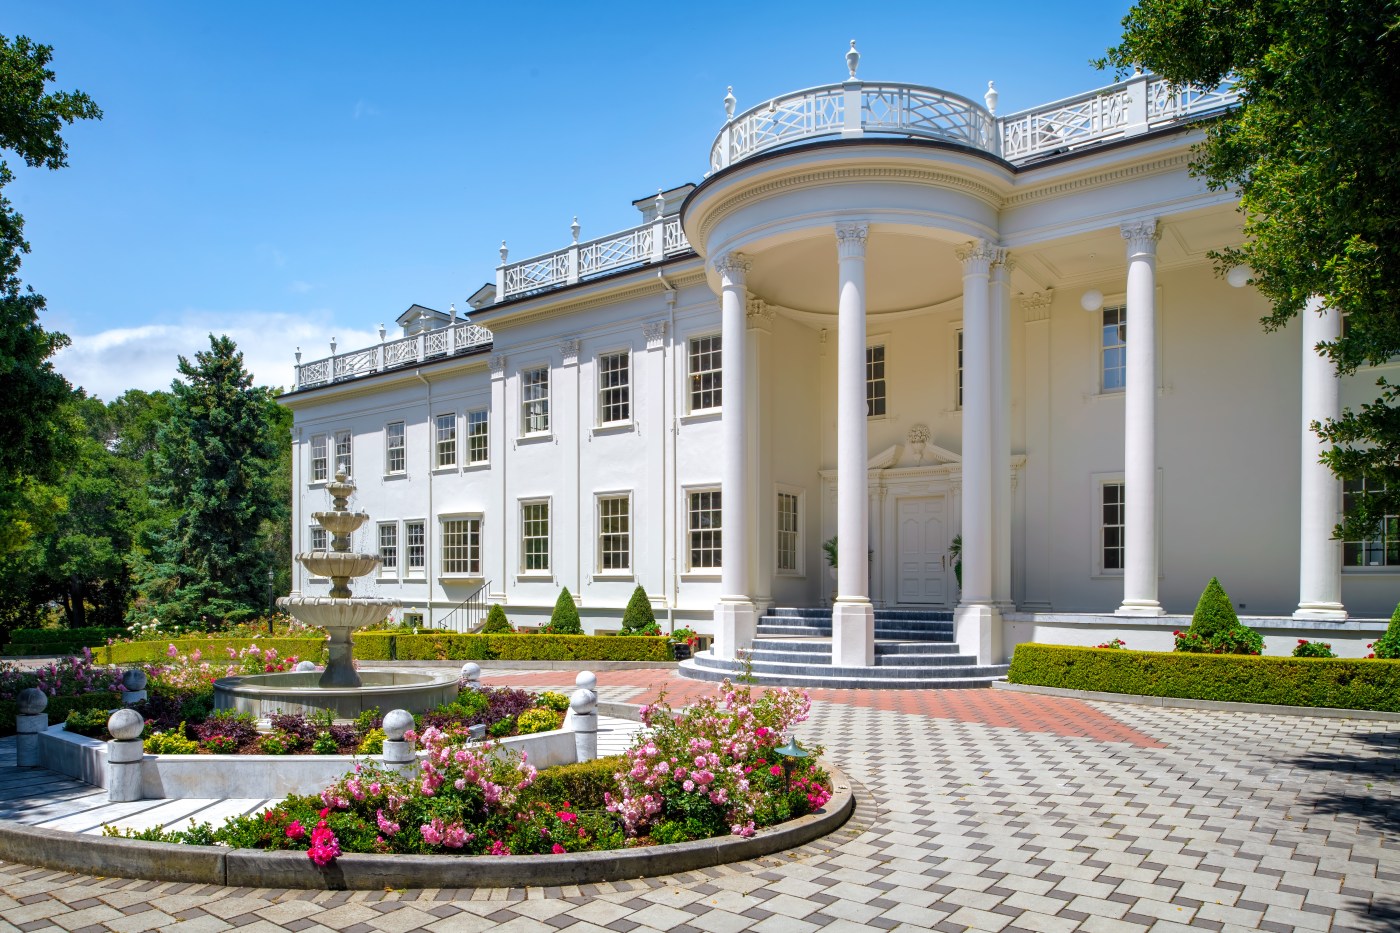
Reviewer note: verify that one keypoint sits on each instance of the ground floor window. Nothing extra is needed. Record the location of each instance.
(789, 518)
(874, 382)
(415, 545)
(534, 536)
(461, 547)
(1111, 527)
(389, 549)
(614, 534)
(1383, 550)
(703, 529)
(319, 538)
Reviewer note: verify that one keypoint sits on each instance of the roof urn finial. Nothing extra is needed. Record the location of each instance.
(382, 333)
(504, 252)
(852, 59)
(298, 355)
(452, 311)
(660, 203)
(574, 228)
(991, 97)
(729, 103)
(332, 346)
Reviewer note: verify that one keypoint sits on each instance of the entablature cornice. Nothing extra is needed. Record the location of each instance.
(649, 284)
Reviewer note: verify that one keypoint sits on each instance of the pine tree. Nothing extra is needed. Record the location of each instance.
(638, 615)
(496, 622)
(565, 619)
(214, 466)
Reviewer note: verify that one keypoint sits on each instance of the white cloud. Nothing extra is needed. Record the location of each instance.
(108, 363)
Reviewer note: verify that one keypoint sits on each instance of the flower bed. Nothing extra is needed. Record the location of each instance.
(1339, 683)
(71, 684)
(712, 770)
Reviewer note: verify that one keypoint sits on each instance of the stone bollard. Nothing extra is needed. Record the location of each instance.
(124, 754)
(584, 706)
(306, 667)
(586, 680)
(29, 722)
(133, 686)
(471, 673)
(399, 753)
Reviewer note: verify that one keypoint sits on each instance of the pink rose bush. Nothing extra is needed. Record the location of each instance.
(710, 770)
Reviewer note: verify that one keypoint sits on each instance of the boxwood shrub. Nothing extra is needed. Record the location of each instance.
(449, 647)
(213, 648)
(58, 708)
(28, 641)
(1339, 683)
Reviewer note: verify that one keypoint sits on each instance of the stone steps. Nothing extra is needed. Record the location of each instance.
(705, 666)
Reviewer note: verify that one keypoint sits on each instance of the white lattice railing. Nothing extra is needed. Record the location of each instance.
(649, 242)
(446, 341)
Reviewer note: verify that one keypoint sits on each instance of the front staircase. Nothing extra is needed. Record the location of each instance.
(914, 650)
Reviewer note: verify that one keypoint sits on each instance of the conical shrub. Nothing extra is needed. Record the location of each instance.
(1214, 615)
(565, 619)
(638, 615)
(496, 622)
(1388, 645)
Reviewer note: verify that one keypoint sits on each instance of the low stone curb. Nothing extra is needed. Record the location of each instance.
(253, 868)
(541, 665)
(1219, 706)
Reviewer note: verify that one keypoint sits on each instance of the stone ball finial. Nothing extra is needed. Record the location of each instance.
(586, 680)
(396, 723)
(853, 59)
(32, 701)
(134, 680)
(583, 702)
(305, 667)
(125, 725)
(471, 671)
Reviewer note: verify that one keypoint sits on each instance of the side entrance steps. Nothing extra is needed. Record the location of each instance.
(914, 650)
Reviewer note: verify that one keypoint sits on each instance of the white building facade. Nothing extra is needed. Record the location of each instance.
(890, 316)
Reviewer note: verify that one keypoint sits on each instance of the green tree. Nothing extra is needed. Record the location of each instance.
(215, 464)
(564, 620)
(1311, 151)
(638, 615)
(33, 437)
(496, 622)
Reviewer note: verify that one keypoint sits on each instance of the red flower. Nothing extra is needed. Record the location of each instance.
(295, 830)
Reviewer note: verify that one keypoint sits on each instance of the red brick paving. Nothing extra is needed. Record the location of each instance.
(1019, 711)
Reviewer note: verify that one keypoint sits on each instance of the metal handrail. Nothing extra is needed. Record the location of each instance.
(473, 609)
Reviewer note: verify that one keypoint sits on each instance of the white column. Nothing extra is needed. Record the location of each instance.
(734, 615)
(977, 622)
(852, 614)
(1039, 537)
(1140, 428)
(761, 513)
(1001, 430)
(1320, 505)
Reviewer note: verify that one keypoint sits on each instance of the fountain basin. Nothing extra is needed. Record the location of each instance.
(262, 695)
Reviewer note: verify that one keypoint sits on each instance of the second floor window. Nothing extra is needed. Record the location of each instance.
(534, 401)
(478, 440)
(1114, 348)
(706, 364)
(445, 439)
(874, 382)
(320, 459)
(343, 462)
(614, 388)
(395, 459)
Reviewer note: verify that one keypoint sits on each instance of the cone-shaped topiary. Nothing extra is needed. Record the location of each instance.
(496, 622)
(565, 621)
(1388, 645)
(638, 614)
(1214, 615)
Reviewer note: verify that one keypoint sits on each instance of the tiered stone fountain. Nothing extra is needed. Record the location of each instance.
(339, 688)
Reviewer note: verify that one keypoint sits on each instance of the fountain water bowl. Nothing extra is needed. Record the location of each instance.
(339, 688)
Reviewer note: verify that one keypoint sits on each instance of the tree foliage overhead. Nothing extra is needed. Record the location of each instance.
(1311, 151)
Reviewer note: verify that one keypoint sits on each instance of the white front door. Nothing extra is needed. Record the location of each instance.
(923, 550)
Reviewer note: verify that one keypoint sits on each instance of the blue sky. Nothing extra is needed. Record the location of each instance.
(289, 172)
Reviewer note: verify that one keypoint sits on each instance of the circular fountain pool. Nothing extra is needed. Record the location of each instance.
(265, 694)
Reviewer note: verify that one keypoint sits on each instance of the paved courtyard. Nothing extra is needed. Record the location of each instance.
(983, 810)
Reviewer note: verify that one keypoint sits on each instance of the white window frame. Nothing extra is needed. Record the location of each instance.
(320, 444)
(386, 569)
(625, 387)
(691, 531)
(542, 402)
(599, 534)
(548, 569)
(390, 448)
(445, 441)
(799, 568)
(344, 439)
(1380, 542)
(1099, 482)
(692, 374)
(872, 382)
(484, 437)
(1121, 307)
(955, 366)
(315, 531)
(409, 571)
(472, 563)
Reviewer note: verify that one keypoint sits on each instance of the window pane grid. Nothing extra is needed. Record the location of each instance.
(960, 369)
(1382, 550)
(478, 442)
(445, 436)
(394, 449)
(874, 381)
(414, 540)
(1111, 519)
(787, 531)
(1115, 348)
(705, 373)
(461, 546)
(534, 400)
(705, 531)
(320, 463)
(534, 535)
(342, 453)
(388, 548)
(614, 533)
(318, 538)
(614, 389)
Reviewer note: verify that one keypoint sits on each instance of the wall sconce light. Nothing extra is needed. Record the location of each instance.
(1238, 277)
(1092, 300)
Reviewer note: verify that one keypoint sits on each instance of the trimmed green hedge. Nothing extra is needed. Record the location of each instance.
(213, 648)
(26, 641)
(1339, 683)
(453, 647)
(58, 708)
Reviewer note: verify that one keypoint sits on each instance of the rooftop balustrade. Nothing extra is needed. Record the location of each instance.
(453, 340)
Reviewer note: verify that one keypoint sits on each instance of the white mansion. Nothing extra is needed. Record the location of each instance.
(890, 315)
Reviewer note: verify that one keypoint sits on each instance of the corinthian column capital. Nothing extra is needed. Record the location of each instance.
(850, 240)
(733, 268)
(977, 256)
(1142, 236)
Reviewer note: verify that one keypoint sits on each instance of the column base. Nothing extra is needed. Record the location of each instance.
(1143, 608)
(977, 628)
(853, 633)
(735, 625)
(1320, 612)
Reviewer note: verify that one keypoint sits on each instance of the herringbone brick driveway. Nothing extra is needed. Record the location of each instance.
(981, 810)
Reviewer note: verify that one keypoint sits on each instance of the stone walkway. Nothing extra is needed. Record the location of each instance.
(983, 810)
